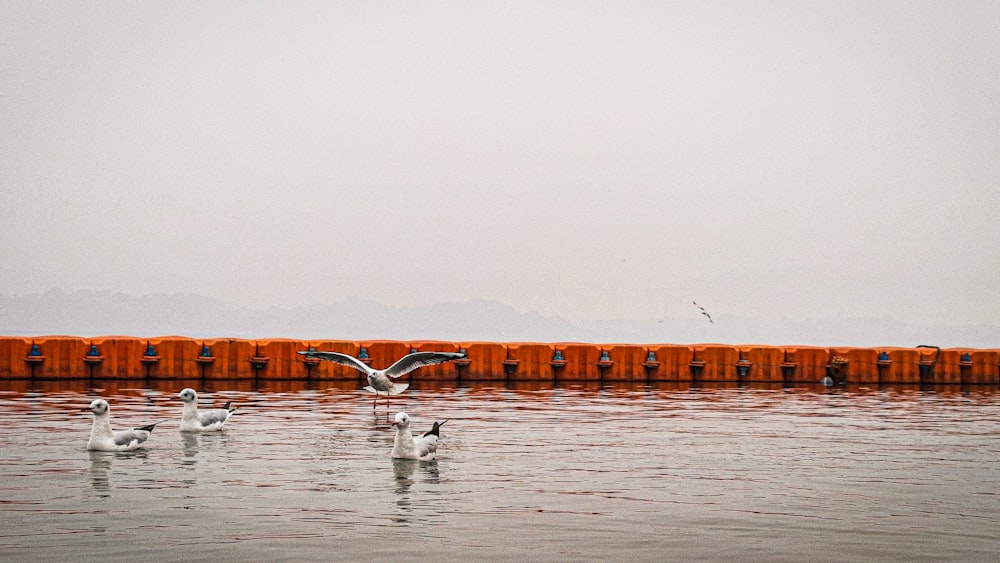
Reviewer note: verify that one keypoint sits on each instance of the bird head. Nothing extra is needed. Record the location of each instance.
(188, 395)
(99, 407)
(402, 420)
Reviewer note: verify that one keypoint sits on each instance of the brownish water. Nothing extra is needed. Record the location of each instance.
(560, 474)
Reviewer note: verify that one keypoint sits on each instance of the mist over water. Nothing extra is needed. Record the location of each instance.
(89, 313)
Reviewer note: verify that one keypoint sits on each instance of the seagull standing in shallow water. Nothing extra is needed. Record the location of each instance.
(103, 438)
(207, 420)
(380, 380)
(408, 446)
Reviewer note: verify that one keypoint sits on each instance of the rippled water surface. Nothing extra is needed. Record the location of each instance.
(651, 473)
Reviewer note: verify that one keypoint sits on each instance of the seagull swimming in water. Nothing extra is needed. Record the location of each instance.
(103, 438)
(207, 420)
(380, 380)
(408, 446)
(704, 312)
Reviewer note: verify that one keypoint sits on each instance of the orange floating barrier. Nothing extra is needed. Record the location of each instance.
(178, 357)
(532, 361)
(927, 364)
(714, 362)
(668, 362)
(581, 362)
(983, 368)
(216, 360)
(64, 358)
(761, 363)
(16, 360)
(805, 364)
(853, 366)
(950, 366)
(897, 365)
(622, 362)
(245, 360)
(484, 361)
(280, 358)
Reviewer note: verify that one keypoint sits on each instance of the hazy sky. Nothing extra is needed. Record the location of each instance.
(588, 159)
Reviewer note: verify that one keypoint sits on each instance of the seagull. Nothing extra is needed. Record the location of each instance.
(704, 312)
(407, 446)
(103, 438)
(208, 420)
(380, 380)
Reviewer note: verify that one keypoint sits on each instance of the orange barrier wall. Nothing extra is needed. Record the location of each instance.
(764, 364)
(482, 361)
(531, 362)
(668, 363)
(173, 357)
(216, 364)
(581, 362)
(718, 362)
(804, 364)
(625, 363)
(901, 366)
(862, 365)
(978, 370)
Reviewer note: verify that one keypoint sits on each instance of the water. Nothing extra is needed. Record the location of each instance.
(570, 473)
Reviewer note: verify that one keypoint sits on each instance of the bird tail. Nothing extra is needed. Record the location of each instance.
(398, 388)
(436, 429)
(150, 427)
(229, 406)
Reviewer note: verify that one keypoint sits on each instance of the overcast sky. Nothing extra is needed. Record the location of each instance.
(594, 160)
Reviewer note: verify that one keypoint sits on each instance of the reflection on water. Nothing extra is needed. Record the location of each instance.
(100, 472)
(579, 472)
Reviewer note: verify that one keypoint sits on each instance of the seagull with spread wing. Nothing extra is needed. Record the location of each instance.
(380, 380)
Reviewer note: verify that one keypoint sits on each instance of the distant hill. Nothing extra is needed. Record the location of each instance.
(89, 313)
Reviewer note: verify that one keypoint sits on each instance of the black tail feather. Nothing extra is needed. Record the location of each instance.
(436, 429)
(150, 427)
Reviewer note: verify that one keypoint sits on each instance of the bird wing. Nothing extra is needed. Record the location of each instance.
(338, 358)
(208, 417)
(126, 437)
(427, 445)
(410, 362)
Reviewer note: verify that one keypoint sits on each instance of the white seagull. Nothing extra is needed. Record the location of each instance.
(380, 380)
(408, 446)
(208, 420)
(103, 438)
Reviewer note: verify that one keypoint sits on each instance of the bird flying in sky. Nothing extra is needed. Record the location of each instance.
(704, 312)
